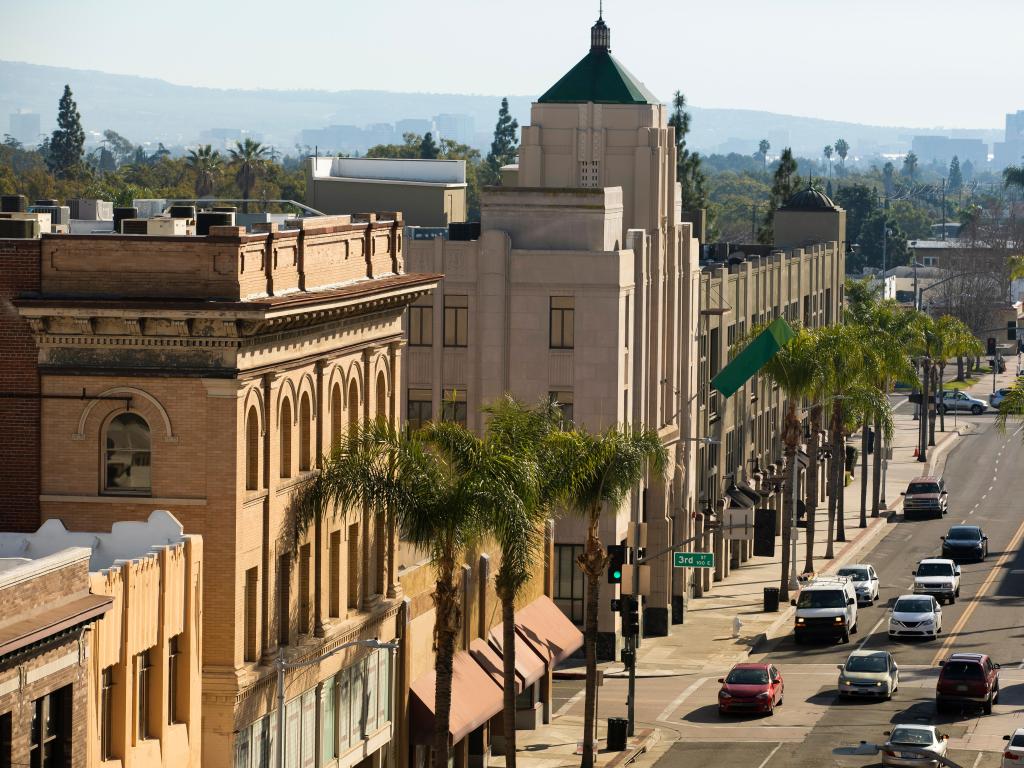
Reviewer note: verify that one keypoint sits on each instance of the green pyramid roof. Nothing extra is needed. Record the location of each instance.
(600, 78)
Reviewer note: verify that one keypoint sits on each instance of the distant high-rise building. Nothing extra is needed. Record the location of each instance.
(25, 127)
(460, 128)
(414, 125)
(943, 148)
(1010, 151)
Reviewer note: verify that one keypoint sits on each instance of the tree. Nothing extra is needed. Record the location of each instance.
(858, 200)
(910, 165)
(842, 149)
(877, 225)
(689, 172)
(597, 472)
(408, 149)
(118, 145)
(67, 142)
(968, 170)
(248, 158)
(953, 339)
(504, 146)
(1013, 176)
(955, 180)
(828, 157)
(428, 149)
(784, 186)
(889, 178)
(205, 163)
(439, 486)
(762, 150)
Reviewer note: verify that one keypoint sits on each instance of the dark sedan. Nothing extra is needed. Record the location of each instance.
(965, 542)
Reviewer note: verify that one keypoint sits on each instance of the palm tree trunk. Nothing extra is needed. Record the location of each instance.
(876, 469)
(931, 408)
(922, 438)
(959, 368)
(508, 669)
(811, 497)
(446, 628)
(592, 562)
(942, 383)
(865, 428)
(791, 436)
(833, 486)
(841, 484)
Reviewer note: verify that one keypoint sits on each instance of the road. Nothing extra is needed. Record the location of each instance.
(986, 486)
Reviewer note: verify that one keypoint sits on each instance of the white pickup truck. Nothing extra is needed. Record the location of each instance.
(939, 578)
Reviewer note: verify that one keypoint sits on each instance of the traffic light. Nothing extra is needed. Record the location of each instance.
(616, 605)
(1011, 330)
(616, 559)
(991, 346)
(631, 619)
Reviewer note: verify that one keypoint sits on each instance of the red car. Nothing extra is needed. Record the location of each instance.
(751, 688)
(966, 679)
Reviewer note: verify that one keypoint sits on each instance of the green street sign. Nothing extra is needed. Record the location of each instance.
(693, 559)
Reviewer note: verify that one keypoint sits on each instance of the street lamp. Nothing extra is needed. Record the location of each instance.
(283, 666)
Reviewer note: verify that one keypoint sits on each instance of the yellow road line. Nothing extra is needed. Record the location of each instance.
(966, 615)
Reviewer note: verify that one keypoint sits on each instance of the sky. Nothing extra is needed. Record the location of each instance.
(920, 63)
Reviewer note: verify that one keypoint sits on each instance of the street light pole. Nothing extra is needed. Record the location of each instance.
(794, 584)
(283, 666)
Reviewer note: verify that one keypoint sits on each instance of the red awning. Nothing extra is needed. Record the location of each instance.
(490, 660)
(548, 631)
(475, 700)
(529, 666)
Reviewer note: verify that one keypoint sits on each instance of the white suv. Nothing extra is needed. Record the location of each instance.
(939, 578)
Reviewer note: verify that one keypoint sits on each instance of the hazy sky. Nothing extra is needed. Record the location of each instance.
(890, 62)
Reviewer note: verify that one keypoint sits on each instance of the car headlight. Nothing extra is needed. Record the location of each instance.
(724, 695)
(846, 682)
(840, 619)
(800, 620)
(878, 685)
(764, 695)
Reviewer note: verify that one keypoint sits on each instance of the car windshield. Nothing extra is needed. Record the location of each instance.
(935, 569)
(858, 574)
(748, 677)
(968, 532)
(913, 605)
(962, 670)
(923, 488)
(876, 662)
(917, 737)
(830, 598)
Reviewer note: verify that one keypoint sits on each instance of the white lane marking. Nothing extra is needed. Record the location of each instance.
(1017, 432)
(869, 634)
(977, 760)
(572, 702)
(666, 713)
(962, 522)
(984, 495)
(971, 512)
(1021, 665)
(779, 746)
(990, 487)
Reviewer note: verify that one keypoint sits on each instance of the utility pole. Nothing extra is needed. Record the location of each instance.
(943, 209)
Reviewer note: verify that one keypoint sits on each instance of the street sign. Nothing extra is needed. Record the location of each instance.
(693, 559)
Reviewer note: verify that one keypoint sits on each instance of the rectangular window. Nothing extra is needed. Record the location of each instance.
(562, 322)
(175, 668)
(243, 748)
(106, 716)
(590, 173)
(328, 720)
(309, 729)
(569, 581)
(370, 685)
(807, 311)
(284, 596)
(421, 408)
(334, 588)
(293, 733)
(304, 601)
(421, 322)
(353, 566)
(344, 710)
(6, 742)
(453, 407)
(715, 352)
(627, 321)
(564, 402)
(456, 321)
(144, 689)
(251, 602)
(730, 452)
(356, 705)
(384, 687)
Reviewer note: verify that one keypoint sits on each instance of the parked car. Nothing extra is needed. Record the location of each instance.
(865, 581)
(997, 397)
(938, 577)
(1013, 754)
(915, 616)
(965, 542)
(955, 400)
(869, 673)
(916, 736)
(967, 678)
(826, 607)
(926, 496)
(751, 688)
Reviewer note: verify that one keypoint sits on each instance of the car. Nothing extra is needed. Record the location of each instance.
(967, 678)
(865, 581)
(955, 400)
(915, 616)
(918, 737)
(1013, 754)
(826, 607)
(965, 542)
(869, 673)
(997, 397)
(751, 687)
(938, 577)
(926, 495)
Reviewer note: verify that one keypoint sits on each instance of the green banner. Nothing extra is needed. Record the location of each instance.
(753, 357)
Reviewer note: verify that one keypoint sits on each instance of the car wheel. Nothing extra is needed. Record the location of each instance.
(771, 710)
(987, 706)
(976, 410)
(845, 636)
(957, 593)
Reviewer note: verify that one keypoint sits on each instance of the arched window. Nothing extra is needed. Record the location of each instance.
(305, 432)
(127, 455)
(353, 408)
(286, 438)
(382, 397)
(252, 450)
(336, 408)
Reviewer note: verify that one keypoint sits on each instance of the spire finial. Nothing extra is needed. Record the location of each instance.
(600, 9)
(600, 35)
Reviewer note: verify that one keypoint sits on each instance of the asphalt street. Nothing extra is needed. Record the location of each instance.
(986, 487)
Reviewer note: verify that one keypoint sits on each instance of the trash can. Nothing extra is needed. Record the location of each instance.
(771, 599)
(617, 734)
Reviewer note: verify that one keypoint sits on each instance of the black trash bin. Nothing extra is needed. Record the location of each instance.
(771, 599)
(617, 734)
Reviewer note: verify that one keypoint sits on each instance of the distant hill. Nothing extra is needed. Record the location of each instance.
(148, 109)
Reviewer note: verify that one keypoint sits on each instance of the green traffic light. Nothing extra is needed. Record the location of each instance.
(617, 574)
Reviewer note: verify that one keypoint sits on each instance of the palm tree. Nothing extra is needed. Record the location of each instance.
(523, 432)
(910, 165)
(205, 162)
(595, 473)
(1013, 176)
(439, 486)
(842, 149)
(248, 158)
(828, 156)
(953, 339)
(924, 346)
(762, 149)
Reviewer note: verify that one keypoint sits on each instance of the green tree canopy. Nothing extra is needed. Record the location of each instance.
(956, 178)
(689, 172)
(504, 146)
(784, 185)
(428, 148)
(67, 142)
